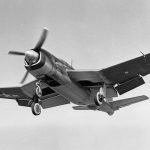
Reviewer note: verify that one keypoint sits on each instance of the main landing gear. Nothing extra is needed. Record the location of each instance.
(35, 104)
(36, 108)
(102, 101)
(100, 96)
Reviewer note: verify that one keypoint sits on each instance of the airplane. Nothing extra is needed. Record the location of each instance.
(58, 83)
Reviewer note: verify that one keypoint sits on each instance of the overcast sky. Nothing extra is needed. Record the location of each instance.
(94, 34)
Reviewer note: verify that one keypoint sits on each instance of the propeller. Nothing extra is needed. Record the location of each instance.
(26, 74)
(25, 77)
(16, 53)
(41, 40)
(32, 55)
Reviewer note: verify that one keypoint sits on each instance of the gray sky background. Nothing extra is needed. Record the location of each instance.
(94, 34)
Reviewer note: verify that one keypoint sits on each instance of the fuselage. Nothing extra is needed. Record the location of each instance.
(55, 71)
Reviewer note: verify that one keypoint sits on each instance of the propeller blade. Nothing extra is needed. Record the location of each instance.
(26, 74)
(16, 53)
(41, 40)
(25, 77)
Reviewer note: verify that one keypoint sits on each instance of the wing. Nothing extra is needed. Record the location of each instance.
(126, 102)
(12, 93)
(92, 76)
(125, 71)
(24, 94)
(53, 101)
(126, 75)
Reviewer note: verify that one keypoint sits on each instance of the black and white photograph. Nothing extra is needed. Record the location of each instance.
(74, 75)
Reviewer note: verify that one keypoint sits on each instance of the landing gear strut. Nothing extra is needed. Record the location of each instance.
(35, 105)
(38, 89)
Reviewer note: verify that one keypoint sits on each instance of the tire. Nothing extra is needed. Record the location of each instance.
(99, 99)
(36, 108)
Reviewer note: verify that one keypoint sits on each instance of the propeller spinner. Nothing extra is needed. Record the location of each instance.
(31, 56)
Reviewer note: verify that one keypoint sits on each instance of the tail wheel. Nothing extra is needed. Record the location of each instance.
(36, 108)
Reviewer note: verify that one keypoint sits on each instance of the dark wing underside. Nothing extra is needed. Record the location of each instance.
(127, 70)
(25, 93)
(127, 74)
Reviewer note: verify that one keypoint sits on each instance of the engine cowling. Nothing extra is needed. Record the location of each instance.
(43, 66)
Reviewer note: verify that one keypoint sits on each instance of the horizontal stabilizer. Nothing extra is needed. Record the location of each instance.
(125, 102)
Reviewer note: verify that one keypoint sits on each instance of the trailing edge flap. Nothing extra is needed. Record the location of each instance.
(125, 102)
(85, 107)
(53, 101)
(80, 108)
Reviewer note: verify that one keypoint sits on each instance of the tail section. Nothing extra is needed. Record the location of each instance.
(110, 107)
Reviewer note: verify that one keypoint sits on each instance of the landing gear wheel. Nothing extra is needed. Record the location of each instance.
(100, 98)
(36, 108)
